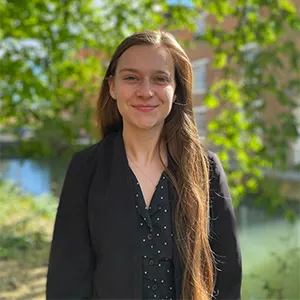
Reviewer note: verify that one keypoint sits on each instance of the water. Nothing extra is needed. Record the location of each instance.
(260, 235)
(35, 176)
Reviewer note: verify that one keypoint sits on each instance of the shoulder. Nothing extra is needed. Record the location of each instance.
(215, 165)
(92, 153)
(84, 163)
(218, 184)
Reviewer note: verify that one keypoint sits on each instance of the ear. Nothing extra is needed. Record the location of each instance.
(174, 98)
(111, 84)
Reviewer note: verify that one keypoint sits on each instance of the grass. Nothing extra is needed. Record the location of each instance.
(26, 225)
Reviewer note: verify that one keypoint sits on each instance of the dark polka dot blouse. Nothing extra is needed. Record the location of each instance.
(155, 234)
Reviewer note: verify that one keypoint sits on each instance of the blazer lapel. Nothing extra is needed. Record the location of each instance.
(123, 177)
(113, 205)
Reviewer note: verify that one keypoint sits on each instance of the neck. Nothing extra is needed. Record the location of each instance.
(143, 145)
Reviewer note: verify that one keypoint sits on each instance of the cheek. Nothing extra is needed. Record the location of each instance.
(123, 93)
(123, 96)
(169, 96)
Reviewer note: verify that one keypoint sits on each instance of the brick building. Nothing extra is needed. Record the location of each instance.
(201, 56)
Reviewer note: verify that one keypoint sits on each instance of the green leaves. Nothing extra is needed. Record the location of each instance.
(220, 60)
(219, 9)
(258, 75)
(286, 6)
(211, 101)
(52, 51)
(52, 55)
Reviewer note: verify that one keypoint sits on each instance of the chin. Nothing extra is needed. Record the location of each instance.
(147, 126)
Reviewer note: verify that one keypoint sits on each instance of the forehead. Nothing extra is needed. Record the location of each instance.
(146, 58)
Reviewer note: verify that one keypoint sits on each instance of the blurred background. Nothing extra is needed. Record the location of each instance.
(246, 93)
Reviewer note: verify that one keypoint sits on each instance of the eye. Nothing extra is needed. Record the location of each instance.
(161, 79)
(130, 78)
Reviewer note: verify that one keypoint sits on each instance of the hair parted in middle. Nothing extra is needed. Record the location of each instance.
(189, 169)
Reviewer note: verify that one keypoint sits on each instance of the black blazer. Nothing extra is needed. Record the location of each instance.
(95, 252)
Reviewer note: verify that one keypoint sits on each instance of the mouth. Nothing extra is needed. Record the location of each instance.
(145, 108)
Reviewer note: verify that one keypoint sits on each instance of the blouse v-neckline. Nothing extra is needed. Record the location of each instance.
(140, 188)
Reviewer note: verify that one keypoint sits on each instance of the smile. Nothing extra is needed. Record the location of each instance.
(144, 108)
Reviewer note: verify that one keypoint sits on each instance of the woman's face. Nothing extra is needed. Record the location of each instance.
(144, 86)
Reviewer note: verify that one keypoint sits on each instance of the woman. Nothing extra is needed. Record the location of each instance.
(145, 213)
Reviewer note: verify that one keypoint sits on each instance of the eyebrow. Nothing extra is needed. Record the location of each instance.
(136, 71)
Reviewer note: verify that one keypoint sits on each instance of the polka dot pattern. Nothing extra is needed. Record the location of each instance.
(155, 234)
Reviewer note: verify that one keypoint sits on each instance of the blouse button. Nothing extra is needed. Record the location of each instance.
(150, 236)
(151, 262)
(154, 287)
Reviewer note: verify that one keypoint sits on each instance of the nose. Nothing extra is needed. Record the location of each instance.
(144, 89)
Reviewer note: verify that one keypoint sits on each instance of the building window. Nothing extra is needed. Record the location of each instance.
(200, 117)
(257, 116)
(251, 50)
(296, 150)
(250, 71)
(200, 25)
(250, 74)
(200, 76)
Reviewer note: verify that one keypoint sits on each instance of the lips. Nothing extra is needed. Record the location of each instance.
(144, 108)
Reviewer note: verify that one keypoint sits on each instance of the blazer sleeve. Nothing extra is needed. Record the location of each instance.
(71, 262)
(223, 236)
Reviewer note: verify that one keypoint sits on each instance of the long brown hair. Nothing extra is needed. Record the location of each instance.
(189, 172)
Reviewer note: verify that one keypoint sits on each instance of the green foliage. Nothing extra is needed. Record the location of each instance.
(52, 59)
(25, 222)
(53, 56)
(42, 75)
(257, 61)
(54, 137)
